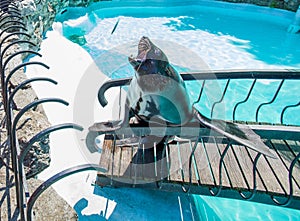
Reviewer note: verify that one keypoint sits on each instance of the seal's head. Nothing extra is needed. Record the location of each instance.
(150, 59)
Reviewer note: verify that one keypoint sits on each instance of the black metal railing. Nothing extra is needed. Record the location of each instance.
(249, 77)
(281, 132)
(12, 25)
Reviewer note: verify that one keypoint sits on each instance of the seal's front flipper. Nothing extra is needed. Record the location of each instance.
(237, 132)
(108, 126)
(111, 126)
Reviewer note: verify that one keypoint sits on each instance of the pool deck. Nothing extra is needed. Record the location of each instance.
(217, 167)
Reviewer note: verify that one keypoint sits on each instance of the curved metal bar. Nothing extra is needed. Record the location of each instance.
(10, 10)
(219, 101)
(11, 73)
(200, 93)
(8, 5)
(14, 33)
(289, 199)
(285, 108)
(22, 177)
(109, 84)
(13, 6)
(11, 138)
(5, 3)
(253, 192)
(43, 133)
(13, 43)
(271, 101)
(190, 167)
(220, 172)
(9, 16)
(20, 86)
(34, 104)
(245, 100)
(11, 27)
(16, 54)
(68, 172)
(5, 86)
(14, 22)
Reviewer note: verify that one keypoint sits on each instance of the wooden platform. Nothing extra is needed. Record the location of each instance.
(217, 166)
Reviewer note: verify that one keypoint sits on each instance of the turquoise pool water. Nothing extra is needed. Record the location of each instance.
(212, 36)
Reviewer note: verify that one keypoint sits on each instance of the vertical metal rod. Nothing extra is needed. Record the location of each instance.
(190, 165)
(271, 101)
(193, 149)
(291, 190)
(253, 192)
(285, 108)
(200, 93)
(220, 171)
(221, 99)
(245, 100)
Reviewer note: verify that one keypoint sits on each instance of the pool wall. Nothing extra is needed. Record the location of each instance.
(291, 5)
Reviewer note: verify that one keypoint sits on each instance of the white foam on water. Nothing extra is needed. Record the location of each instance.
(217, 50)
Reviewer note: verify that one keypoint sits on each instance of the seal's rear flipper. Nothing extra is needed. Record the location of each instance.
(240, 133)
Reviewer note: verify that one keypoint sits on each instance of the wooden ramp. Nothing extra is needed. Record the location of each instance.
(215, 167)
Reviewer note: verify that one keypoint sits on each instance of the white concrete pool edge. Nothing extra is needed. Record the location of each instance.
(65, 152)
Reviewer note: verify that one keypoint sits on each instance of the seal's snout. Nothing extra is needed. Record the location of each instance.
(144, 44)
(135, 62)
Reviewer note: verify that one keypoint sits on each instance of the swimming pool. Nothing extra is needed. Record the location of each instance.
(204, 35)
(217, 50)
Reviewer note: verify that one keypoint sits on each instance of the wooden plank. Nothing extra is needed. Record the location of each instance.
(149, 163)
(126, 163)
(234, 170)
(105, 159)
(203, 166)
(138, 159)
(184, 151)
(287, 151)
(260, 170)
(135, 165)
(246, 162)
(214, 157)
(279, 172)
(270, 183)
(175, 171)
(116, 161)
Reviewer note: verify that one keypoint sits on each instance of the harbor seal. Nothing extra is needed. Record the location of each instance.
(157, 94)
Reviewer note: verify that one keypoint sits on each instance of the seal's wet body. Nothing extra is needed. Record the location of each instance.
(157, 95)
